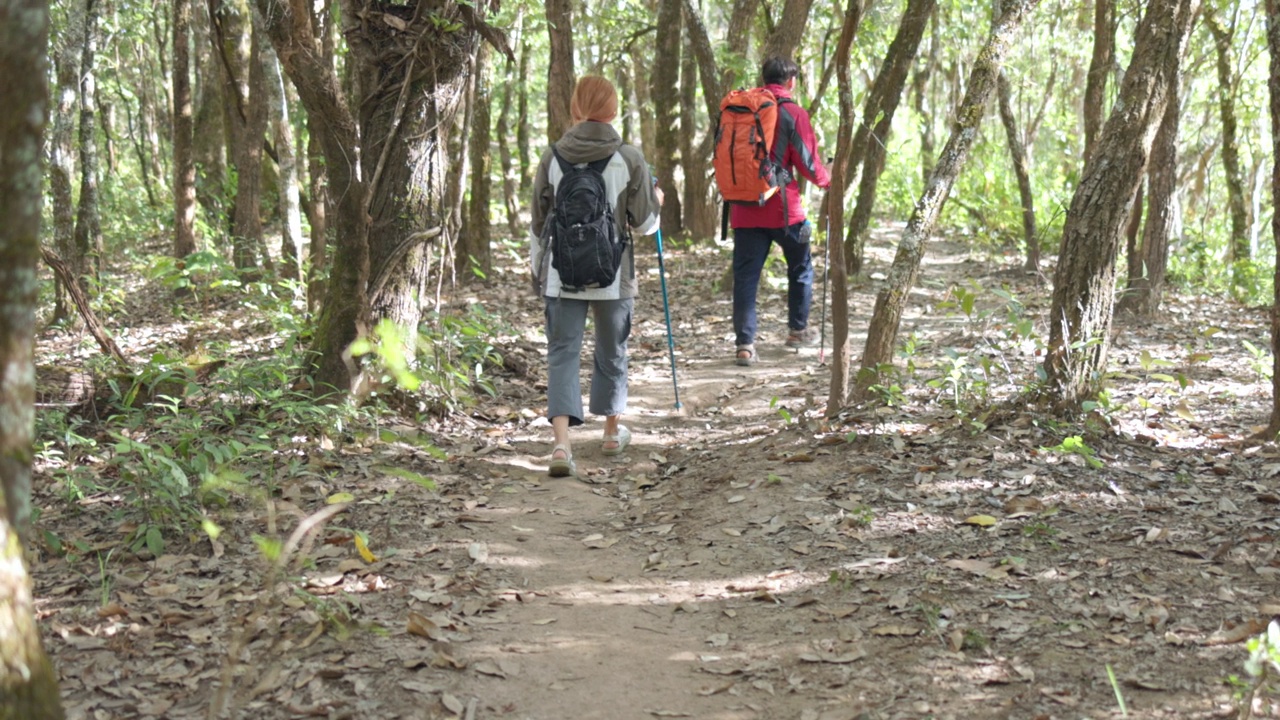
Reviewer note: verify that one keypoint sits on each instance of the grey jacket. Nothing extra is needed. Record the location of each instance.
(630, 188)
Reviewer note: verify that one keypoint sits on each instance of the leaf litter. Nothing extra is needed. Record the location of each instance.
(810, 560)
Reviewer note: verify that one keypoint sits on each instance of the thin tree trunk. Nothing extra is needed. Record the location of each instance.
(290, 201)
(250, 253)
(87, 261)
(666, 84)
(506, 159)
(1095, 90)
(184, 165)
(892, 300)
(841, 348)
(1146, 285)
(1273, 88)
(560, 72)
(477, 239)
(699, 210)
(522, 117)
(648, 126)
(875, 128)
(1239, 251)
(920, 91)
(1018, 152)
(1084, 283)
(136, 135)
(28, 682)
(62, 163)
(321, 202)
(209, 134)
(99, 333)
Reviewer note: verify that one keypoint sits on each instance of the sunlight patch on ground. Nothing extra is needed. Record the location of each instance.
(681, 591)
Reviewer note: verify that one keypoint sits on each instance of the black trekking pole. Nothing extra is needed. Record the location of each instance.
(666, 309)
(826, 273)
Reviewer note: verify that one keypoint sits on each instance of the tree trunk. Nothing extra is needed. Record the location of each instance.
(290, 201)
(875, 129)
(251, 127)
(62, 163)
(699, 210)
(28, 683)
(135, 131)
(184, 165)
(841, 348)
(786, 35)
(1133, 253)
(506, 159)
(87, 258)
(920, 92)
(477, 239)
(1273, 87)
(1146, 286)
(210, 134)
(560, 72)
(1084, 283)
(666, 85)
(892, 300)
(522, 117)
(1239, 251)
(1095, 90)
(322, 206)
(415, 190)
(1018, 152)
(345, 315)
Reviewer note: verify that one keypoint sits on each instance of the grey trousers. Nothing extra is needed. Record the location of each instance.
(566, 326)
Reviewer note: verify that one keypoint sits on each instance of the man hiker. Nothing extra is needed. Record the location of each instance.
(779, 220)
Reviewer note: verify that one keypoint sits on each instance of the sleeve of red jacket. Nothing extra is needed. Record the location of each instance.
(804, 154)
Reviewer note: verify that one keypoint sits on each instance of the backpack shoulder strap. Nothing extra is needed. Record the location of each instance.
(564, 164)
(600, 165)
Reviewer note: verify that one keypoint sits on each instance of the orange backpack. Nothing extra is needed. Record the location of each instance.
(746, 172)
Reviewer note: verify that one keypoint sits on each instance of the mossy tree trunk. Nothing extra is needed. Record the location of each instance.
(28, 684)
(476, 241)
(86, 259)
(892, 300)
(1239, 251)
(62, 150)
(1273, 88)
(1084, 283)
(871, 139)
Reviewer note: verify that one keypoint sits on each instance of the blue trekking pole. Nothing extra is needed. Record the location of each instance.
(666, 309)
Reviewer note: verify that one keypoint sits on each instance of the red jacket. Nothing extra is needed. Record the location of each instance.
(796, 146)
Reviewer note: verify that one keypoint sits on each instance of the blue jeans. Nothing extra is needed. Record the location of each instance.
(750, 250)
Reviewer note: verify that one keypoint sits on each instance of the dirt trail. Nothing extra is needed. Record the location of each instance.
(743, 559)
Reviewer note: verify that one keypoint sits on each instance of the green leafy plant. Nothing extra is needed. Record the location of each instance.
(1260, 361)
(777, 406)
(1262, 666)
(1075, 445)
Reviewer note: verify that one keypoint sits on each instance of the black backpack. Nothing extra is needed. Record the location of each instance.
(586, 247)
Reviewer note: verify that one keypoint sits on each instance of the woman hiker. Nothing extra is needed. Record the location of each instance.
(634, 200)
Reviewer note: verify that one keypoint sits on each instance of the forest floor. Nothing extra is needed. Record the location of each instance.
(948, 555)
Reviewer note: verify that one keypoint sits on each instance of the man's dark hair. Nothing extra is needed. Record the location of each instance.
(777, 71)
